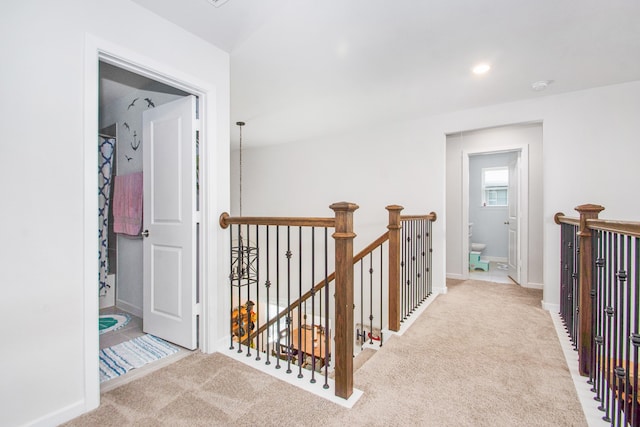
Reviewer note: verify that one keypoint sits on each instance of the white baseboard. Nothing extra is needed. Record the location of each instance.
(533, 285)
(495, 258)
(129, 308)
(61, 415)
(455, 276)
(552, 307)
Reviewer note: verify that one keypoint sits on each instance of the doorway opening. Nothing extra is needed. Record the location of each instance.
(493, 204)
(524, 222)
(145, 121)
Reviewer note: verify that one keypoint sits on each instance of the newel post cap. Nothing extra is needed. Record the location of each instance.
(344, 207)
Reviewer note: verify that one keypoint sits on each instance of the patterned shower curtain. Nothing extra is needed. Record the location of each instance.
(105, 165)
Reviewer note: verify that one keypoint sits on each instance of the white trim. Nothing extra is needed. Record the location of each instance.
(61, 415)
(456, 276)
(532, 285)
(551, 307)
(585, 395)
(292, 378)
(96, 50)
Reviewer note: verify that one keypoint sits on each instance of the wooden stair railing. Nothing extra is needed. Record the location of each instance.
(607, 325)
(394, 228)
(319, 286)
(343, 276)
(343, 235)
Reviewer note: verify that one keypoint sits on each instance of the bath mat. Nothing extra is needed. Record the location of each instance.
(112, 322)
(121, 358)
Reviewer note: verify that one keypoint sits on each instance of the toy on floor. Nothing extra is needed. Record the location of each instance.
(475, 263)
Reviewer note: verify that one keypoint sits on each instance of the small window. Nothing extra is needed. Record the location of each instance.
(495, 186)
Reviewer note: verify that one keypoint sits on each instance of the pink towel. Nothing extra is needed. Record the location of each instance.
(127, 204)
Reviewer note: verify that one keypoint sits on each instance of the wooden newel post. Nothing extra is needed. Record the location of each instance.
(394, 228)
(585, 283)
(343, 353)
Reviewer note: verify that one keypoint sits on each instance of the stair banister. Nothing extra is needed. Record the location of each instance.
(394, 228)
(344, 236)
(585, 280)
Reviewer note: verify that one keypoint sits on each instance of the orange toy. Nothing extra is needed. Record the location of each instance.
(243, 321)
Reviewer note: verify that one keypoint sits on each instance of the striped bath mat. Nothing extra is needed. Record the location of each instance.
(121, 358)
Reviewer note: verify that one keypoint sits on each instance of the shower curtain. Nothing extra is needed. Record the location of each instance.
(105, 164)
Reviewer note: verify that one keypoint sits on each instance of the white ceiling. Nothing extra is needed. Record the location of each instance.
(303, 69)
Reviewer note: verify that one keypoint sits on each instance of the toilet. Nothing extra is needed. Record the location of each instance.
(475, 263)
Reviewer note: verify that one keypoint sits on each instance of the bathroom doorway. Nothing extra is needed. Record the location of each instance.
(525, 226)
(493, 207)
(154, 287)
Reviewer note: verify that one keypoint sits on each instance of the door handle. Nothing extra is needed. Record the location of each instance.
(145, 233)
(505, 223)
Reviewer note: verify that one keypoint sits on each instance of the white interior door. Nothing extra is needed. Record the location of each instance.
(169, 249)
(513, 221)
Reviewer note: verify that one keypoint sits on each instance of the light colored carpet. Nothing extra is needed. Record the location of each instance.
(484, 354)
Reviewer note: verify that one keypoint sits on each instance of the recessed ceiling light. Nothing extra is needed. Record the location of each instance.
(481, 68)
(540, 85)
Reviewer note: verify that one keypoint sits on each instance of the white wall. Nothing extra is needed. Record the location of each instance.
(589, 153)
(42, 168)
(373, 168)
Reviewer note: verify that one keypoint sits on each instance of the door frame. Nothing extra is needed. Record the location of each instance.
(523, 195)
(97, 50)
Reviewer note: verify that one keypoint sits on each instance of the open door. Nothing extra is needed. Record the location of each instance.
(513, 221)
(170, 226)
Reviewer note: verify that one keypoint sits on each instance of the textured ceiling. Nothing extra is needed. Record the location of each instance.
(303, 69)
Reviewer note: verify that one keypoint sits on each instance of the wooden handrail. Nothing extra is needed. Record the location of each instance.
(430, 217)
(628, 228)
(560, 218)
(226, 220)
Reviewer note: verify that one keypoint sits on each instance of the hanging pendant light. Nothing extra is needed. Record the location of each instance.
(244, 255)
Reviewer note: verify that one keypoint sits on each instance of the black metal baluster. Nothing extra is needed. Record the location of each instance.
(381, 282)
(268, 286)
(300, 343)
(576, 291)
(361, 335)
(430, 255)
(327, 332)
(231, 347)
(239, 273)
(248, 306)
(370, 298)
(289, 318)
(412, 274)
(607, 342)
(597, 315)
(627, 332)
(313, 303)
(421, 261)
(257, 325)
(278, 329)
(617, 372)
(635, 337)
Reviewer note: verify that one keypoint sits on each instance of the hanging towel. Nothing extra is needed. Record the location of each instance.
(127, 204)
